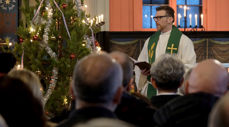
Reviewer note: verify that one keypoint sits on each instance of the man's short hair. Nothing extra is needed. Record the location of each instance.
(168, 72)
(8, 61)
(126, 64)
(169, 11)
(96, 78)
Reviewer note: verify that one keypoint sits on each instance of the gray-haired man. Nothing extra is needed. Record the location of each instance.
(166, 76)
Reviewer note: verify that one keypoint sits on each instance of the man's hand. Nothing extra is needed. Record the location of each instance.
(145, 72)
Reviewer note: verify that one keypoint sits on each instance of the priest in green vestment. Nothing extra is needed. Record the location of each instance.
(168, 39)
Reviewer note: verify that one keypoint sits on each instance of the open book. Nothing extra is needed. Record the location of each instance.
(141, 64)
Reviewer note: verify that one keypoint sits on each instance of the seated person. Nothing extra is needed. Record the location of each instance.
(97, 89)
(208, 81)
(30, 79)
(166, 76)
(132, 109)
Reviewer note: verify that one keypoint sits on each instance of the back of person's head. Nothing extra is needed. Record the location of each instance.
(105, 122)
(30, 79)
(208, 76)
(186, 77)
(220, 113)
(2, 122)
(7, 62)
(19, 107)
(97, 79)
(126, 64)
(169, 11)
(167, 72)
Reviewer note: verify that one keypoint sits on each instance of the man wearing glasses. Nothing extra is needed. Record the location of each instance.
(168, 39)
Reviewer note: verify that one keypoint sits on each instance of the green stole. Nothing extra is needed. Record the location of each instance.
(172, 48)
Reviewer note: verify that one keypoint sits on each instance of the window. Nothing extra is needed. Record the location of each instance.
(149, 11)
(189, 13)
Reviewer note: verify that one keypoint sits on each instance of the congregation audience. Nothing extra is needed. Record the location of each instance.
(97, 88)
(101, 92)
(131, 105)
(207, 83)
(166, 76)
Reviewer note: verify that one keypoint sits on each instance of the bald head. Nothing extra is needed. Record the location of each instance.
(97, 78)
(126, 65)
(208, 76)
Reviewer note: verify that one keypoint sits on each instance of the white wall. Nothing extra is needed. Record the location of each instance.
(98, 7)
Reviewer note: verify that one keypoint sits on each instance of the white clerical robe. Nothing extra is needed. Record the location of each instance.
(185, 53)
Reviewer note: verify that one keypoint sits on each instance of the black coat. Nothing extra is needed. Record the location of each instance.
(159, 101)
(136, 111)
(86, 114)
(186, 111)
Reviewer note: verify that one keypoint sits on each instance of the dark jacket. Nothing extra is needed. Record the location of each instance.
(86, 114)
(160, 100)
(136, 111)
(186, 111)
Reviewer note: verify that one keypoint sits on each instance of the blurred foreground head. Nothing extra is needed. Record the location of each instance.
(220, 114)
(19, 107)
(30, 79)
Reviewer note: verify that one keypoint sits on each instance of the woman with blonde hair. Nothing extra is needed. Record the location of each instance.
(31, 79)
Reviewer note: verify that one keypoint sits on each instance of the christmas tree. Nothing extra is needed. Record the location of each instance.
(53, 36)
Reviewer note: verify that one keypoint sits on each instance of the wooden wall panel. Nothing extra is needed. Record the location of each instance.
(115, 12)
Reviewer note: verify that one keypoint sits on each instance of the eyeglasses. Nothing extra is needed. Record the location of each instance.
(159, 17)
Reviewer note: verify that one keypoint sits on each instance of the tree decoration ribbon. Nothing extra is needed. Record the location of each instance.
(65, 24)
(22, 60)
(54, 77)
(78, 5)
(52, 84)
(38, 10)
(92, 35)
(93, 38)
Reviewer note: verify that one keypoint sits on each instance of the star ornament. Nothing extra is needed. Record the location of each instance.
(7, 5)
(7, 1)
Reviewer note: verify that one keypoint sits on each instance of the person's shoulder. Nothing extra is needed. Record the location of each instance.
(191, 99)
(147, 40)
(185, 109)
(186, 40)
(133, 100)
(185, 37)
